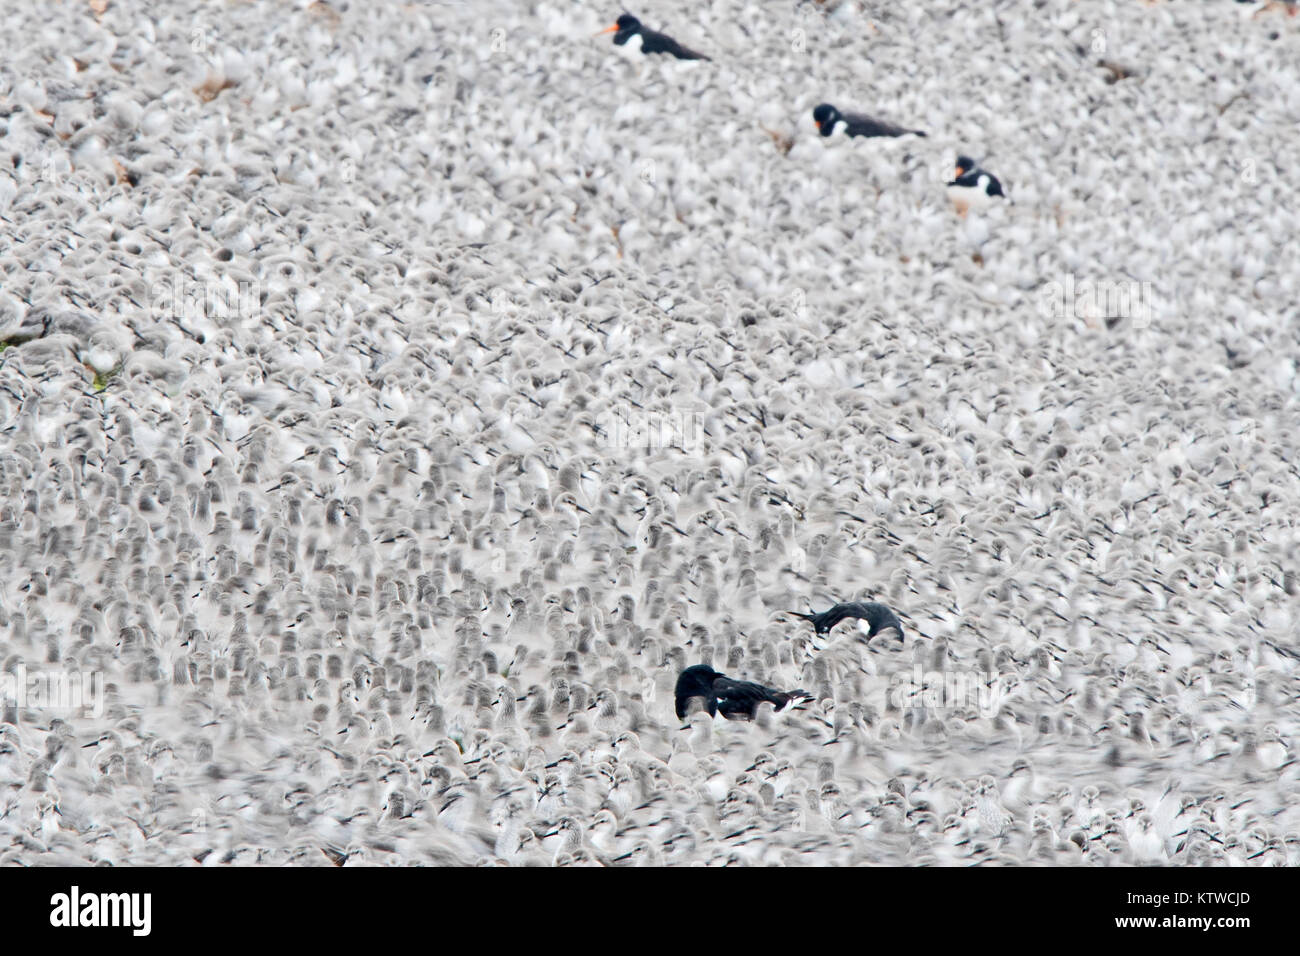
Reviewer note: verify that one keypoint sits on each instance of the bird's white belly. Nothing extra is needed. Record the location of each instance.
(631, 50)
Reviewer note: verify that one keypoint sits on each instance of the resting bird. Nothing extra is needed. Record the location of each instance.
(628, 29)
(876, 615)
(973, 187)
(829, 121)
(736, 699)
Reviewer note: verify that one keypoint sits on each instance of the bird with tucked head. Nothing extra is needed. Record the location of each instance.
(734, 699)
(973, 187)
(629, 32)
(830, 121)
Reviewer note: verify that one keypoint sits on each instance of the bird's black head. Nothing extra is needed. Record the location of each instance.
(696, 681)
(964, 165)
(699, 675)
(623, 29)
(825, 115)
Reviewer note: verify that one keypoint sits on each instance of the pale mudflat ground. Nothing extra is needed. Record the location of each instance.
(332, 333)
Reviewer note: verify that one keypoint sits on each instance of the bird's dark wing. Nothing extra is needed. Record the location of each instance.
(823, 622)
(878, 616)
(738, 699)
(972, 181)
(859, 124)
(652, 42)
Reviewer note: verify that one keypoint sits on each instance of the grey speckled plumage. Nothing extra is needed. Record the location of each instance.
(386, 422)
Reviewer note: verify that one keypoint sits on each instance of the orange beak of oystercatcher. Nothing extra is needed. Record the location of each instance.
(818, 124)
(613, 29)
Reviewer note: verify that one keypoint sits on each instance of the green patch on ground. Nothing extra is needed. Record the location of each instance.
(102, 379)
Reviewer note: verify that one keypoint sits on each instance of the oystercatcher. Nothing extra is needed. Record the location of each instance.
(878, 617)
(973, 187)
(629, 32)
(734, 699)
(829, 121)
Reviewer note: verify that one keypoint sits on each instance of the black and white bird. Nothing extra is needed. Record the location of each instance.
(973, 187)
(631, 34)
(830, 121)
(734, 699)
(878, 617)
